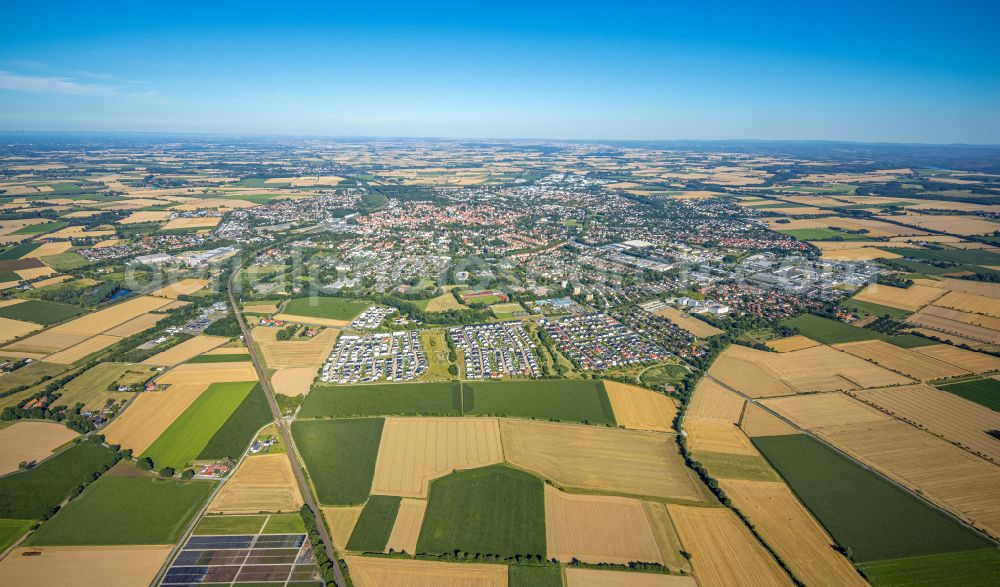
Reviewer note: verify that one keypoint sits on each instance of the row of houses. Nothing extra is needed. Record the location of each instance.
(495, 350)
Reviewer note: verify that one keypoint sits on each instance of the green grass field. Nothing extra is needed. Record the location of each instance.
(8, 276)
(27, 495)
(220, 359)
(18, 251)
(875, 309)
(375, 524)
(730, 466)
(545, 399)
(190, 433)
(970, 256)
(284, 524)
(410, 399)
(11, 530)
(239, 430)
(525, 576)
(829, 331)
(982, 391)
(30, 375)
(823, 234)
(126, 510)
(340, 457)
(229, 525)
(323, 307)
(65, 261)
(41, 227)
(977, 568)
(874, 519)
(491, 510)
(40, 312)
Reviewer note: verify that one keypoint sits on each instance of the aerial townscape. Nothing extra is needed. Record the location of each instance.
(323, 295)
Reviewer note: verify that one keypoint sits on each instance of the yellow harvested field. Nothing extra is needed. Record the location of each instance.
(84, 349)
(628, 462)
(759, 422)
(907, 362)
(911, 299)
(597, 578)
(11, 329)
(174, 305)
(136, 325)
(666, 536)
(443, 303)
(942, 414)
(183, 287)
(210, 373)
(711, 401)
(824, 409)
(145, 216)
(48, 341)
(945, 321)
(406, 528)
(821, 368)
(293, 381)
(149, 414)
(311, 320)
(186, 350)
(261, 308)
(220, 204)
(415, 451)
(71, 232)
(856, 253)
(718, 437)
(988, 322)
(637, 408)
(111, 242)
(102, 320)
(967, 302)
(239, 349)
(954, 224)
(62, 566)
(597, 529)
(723, 552)
(394, 572)
(697, 327)
(200, 222)
(875, 228)
(34, 272)
(262, 483)
(982, 288)
(966, 359)
(309, 352)
(30, 441)
(792, 343)
(947, 475)
(341, 521)
(51, 281)
(792, 532)
(49, 249)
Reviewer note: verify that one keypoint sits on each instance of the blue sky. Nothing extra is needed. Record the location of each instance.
(873, 71)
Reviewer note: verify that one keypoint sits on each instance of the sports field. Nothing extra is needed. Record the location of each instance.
(125, 510)
(412, 399)
(492, 510)
(189, 434)
(325, 307)
(548, 399)
(340, 457)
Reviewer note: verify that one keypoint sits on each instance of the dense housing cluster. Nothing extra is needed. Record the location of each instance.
(598, 341)
(372, 318)
(493, 351)
(383, 356)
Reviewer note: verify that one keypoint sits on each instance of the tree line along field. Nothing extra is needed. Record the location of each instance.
(549, 399)
(873, 519)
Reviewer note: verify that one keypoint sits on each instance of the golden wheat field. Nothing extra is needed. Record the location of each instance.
(183, 287)
(209, 373)
(666, 536)
(697, 327)
(46, 249)
(954, 224)
(715, 436)
(711, 401)
(60, 566)
(941, 413)
(102, 320)
(946, 322)
(34, 272)
(149, 414)
(791, 343)
(855, 253)
(901, 360)
(637, 408)
(341, 521)
(186, 350)
(11, 329)
(912, 298)
(980, 288)
(262, 483)
(201, 222)
(145, 216)
(967, 302)
(988, 322)
(293, 381)
(759, 422)
(256, 308)
(406, 528)
(875, 228)
(415, 451)
(599, 578)
(82, 350)
(597, 529)
(966, 359)
(628, 462)
(388, 572)
(792, 532)
(135, 325)
(823, 409)
(311, 320)
(309, 352)
(30, 441)
(723, 552)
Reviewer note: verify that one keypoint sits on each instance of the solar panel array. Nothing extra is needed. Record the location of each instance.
(282, 559)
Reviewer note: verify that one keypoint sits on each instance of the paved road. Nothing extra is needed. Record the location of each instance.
(283, 430)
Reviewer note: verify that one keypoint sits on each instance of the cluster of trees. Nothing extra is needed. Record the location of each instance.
(80, 296)
(319, 549)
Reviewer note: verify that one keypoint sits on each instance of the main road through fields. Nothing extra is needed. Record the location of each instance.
(283, 429)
